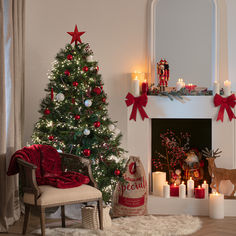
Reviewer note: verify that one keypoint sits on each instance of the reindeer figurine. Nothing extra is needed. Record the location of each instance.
(218, 174)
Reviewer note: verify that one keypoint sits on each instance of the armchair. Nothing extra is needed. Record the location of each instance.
(45, 196)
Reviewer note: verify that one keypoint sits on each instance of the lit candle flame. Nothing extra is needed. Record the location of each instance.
(204, 182)
(182, 182)
(199, 186)
(190, 178)
(174, 184)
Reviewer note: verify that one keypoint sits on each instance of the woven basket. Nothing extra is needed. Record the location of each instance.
(90, 218)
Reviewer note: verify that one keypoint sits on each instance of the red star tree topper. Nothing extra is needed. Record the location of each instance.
(75, 35)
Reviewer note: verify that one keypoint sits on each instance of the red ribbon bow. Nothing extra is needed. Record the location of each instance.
(139, 103)
(225, 103)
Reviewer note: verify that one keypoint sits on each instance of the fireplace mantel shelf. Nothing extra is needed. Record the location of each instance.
(190, 107)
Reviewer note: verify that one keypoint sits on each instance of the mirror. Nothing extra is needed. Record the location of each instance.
(184, 34)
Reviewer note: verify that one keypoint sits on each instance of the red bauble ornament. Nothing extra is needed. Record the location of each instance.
(75, 83)
(75, 35)
(101, 87)
(77, 117)
(69, 57)
(67, 73)
(85, 69)
(51, 137)
(46, 111)
(117, 172)
(96, 124)
(87, 152)
(97, 68)
(104, 100)
(97, 90)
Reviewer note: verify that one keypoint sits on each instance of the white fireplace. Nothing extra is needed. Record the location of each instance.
(197, 107)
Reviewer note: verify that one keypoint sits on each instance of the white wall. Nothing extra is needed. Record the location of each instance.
(116, 31)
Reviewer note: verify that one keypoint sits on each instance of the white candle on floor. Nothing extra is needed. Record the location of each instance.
(227, 88)
(182, 190)
(135, 87)
(158, 180)
(216, 206)
(166, 190)
(205, 186)
(190, 187)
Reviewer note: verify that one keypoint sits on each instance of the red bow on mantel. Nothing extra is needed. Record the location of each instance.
(225, 103)
(139, 103)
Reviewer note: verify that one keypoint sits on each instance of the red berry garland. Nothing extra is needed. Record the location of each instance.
(67, 73)
(117, 172)
(46, 111)
(69, 57)
(97, 90)
(77, 117)
(85, 69)
(96, 124)
(87, 152)
(75, 83)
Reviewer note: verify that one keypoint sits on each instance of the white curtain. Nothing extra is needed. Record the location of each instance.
(11, 103)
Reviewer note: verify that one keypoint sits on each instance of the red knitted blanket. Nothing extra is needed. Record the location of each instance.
(48, 163)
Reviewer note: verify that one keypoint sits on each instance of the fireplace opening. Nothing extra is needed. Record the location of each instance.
(176, 148)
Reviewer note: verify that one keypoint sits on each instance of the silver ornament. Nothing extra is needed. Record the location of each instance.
(60, 97)
(88, 103)
(86, 132)
(90, 58)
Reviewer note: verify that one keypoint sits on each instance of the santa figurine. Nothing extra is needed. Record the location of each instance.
(163, 74)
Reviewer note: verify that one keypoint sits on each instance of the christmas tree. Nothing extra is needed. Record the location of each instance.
(75, 117)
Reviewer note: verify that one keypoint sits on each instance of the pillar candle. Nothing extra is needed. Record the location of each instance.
(205, 186)
(166, 190)
(216, 87)
(227, 88)
(199, 192)
(135, 87)
(174, 190)
(179, 84)
(158, 180)
(182, 190)
(190, 187)
(216, 206)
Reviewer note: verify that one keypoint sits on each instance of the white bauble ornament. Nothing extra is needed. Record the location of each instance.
(86, 132)
(59, 150)
(114, 158)
(116, 132)
(88, 103)
(91, 68)
(111, 127)
(90, 58)
(60, 97)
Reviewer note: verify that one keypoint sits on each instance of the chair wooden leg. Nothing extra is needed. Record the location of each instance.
(26, 218)
(63, 221)
(42, 220)
(100, 212)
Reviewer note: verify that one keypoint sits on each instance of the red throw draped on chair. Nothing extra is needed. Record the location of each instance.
(49, 171)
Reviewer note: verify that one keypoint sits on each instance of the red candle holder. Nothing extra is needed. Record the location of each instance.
(199, 192)
(174, 190)
(144, 87)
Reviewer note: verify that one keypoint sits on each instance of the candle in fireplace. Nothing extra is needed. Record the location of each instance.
(174, 190)
(158, 180)
(205, 186)
(182, 190)
(166, 190)
(227, 88)
(216, 206)
(190, 187)
(199, 192)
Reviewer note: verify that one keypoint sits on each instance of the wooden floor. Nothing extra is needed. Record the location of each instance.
(226, 227)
